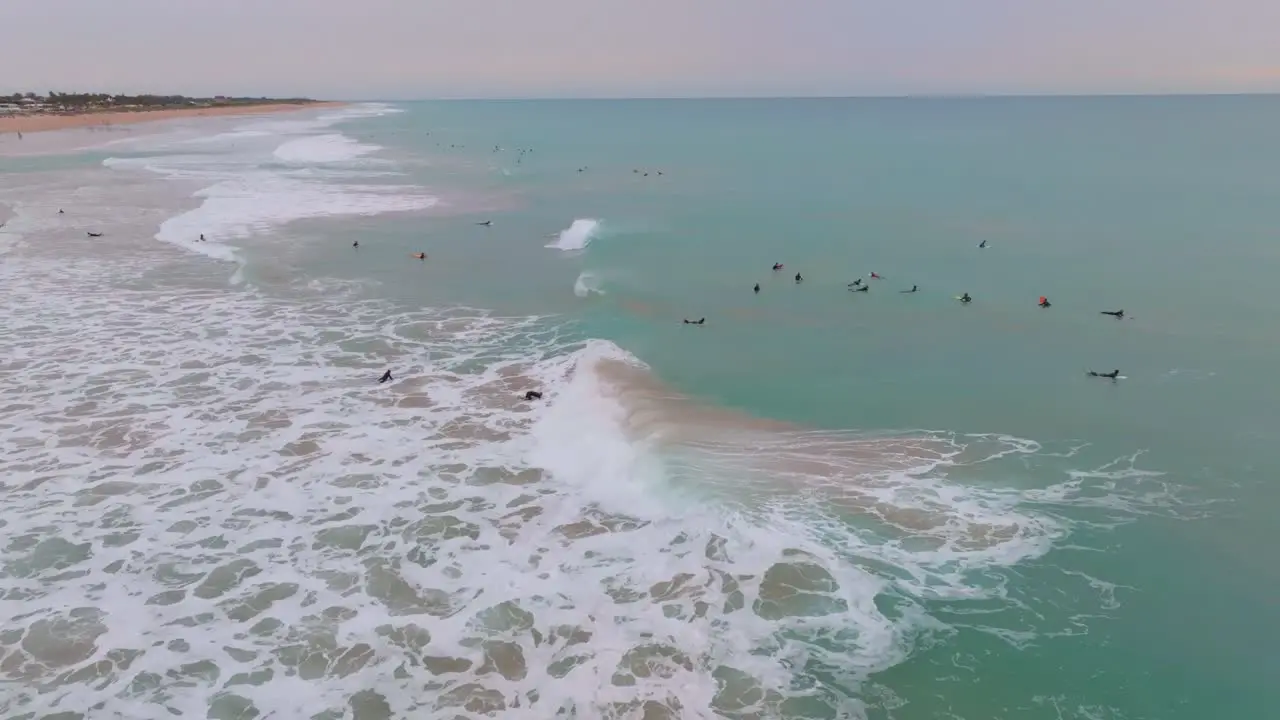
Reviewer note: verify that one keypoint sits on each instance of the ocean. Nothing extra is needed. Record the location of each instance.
(879, 505)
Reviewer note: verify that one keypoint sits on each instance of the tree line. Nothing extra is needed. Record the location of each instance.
(95, 100)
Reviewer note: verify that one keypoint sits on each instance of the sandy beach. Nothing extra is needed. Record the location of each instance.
(38, 123)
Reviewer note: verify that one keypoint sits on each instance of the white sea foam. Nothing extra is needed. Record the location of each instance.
(577, 236)
(244, 198)
(328, 148)
(255, 202)
(213, 509)
(211, 504)
(587, 284)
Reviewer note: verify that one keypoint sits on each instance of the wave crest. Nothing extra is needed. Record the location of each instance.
(577, 236)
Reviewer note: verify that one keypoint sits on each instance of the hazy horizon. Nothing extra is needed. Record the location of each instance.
(578, 49)
(4, 91)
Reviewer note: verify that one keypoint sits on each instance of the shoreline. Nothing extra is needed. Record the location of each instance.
(46, 123)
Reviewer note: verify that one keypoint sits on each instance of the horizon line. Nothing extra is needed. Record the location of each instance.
(903, 96)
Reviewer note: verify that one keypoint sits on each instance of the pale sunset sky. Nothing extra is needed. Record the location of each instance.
(400, 49)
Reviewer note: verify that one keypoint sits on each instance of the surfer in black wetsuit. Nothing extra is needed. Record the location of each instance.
(1115, 314)
(533, 395)
(966, 299)
(1110, 376)
(702, 321)
(486, 223)
(95, 234)
(799, 279)
(982, 245)
(355, 244)
(757, 288)
(855, 283)
(914, 288)
(860, 288)
(386, 377)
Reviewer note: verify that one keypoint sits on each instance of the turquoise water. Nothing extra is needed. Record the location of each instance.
(1166, 207)
(755, 508)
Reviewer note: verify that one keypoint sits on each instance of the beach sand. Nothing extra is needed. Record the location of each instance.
(38, 123)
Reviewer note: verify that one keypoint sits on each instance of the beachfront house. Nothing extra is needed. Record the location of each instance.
(22, 105)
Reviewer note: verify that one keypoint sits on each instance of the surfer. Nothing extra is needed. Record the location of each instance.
(914, 288)
(1115, 314)
(702, 321)
(1110, 376)
(533, 395)
(95, 234)
(799, 279)
(202, 237)
(855, 283)
(355, 244)
(965, 298)
(982, 245)
(1044, 302)
(757, 288)
(486, 223)
(420, 256)
(386, 377)
(876, 277)
(862, 288)
(60, 212)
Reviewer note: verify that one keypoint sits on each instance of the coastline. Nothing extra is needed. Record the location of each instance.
(42, 123)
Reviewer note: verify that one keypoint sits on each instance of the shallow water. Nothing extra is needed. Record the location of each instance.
(817, 505)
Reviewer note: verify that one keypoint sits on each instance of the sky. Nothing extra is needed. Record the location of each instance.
(420, 49)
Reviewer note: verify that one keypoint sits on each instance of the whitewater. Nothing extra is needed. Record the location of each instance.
(577, 236)
(214, 510)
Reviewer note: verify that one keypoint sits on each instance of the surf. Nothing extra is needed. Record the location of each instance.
(216, 510)
(329, 148)
(243, 196)
(587, 284)
(578, 235)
